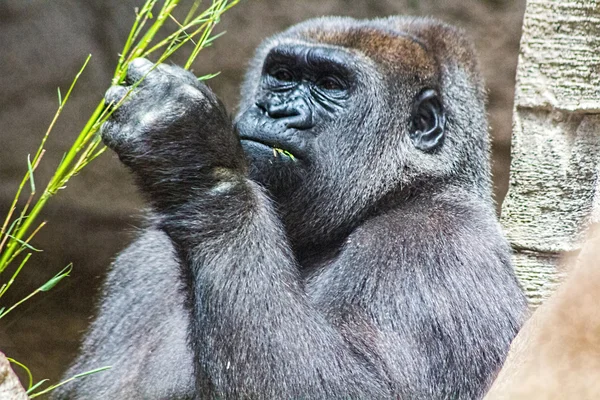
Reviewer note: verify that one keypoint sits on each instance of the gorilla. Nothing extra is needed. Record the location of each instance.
(336, 240)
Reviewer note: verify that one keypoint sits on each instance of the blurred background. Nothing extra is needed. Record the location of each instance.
(43, 43)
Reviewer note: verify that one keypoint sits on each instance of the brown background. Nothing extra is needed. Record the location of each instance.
(42, 45)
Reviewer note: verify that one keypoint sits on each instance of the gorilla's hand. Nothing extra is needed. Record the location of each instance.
(171, 130)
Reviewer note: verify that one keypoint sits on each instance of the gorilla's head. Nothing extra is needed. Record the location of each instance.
(341, 117)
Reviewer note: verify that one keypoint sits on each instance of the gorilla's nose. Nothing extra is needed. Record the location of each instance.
(294, 113)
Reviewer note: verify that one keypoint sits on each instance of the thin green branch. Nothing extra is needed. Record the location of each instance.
(7, 285)
(27, 371)
(44, 288)
(22, 231)
(50, 388)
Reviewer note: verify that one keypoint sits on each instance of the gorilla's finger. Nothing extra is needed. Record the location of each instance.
(109, 133)
(137, 69)
(114, 98)
(114, 95)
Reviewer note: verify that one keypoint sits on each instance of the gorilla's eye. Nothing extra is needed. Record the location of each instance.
(282, 74)
(330, 83)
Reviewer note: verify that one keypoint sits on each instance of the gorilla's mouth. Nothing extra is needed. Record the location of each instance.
(276, 149)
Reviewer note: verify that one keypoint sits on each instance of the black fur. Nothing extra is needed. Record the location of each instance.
(369, 264)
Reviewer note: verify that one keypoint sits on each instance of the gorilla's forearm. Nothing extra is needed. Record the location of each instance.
(253, 330)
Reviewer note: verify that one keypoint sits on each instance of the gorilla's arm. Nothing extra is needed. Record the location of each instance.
(140, 331)
(253, 331)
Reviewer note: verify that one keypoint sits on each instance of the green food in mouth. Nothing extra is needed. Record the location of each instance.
(283, 152)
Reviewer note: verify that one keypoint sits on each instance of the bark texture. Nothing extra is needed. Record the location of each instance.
(554, 193)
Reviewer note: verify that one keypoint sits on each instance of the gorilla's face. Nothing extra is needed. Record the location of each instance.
(302, 92)
(330, 130)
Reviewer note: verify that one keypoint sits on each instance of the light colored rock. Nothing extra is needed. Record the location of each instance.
(10, 387)
(554, 193)
(558, 62)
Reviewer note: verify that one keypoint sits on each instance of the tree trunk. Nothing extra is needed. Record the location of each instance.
(554, 193)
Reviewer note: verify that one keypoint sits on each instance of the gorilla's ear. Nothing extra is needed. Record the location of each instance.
(428, 121)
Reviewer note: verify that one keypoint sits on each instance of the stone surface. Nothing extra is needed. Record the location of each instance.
(554, 190)
(559, 59)
(554, 176)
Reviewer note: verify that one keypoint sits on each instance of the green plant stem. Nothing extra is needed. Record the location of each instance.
(50, 388)
(85, 147)
(28, 221)
(29, 375)
(7, 285)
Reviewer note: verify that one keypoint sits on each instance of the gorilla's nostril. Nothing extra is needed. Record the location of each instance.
(294, 113)
(300, 121)
(282, 110)
(262, 106)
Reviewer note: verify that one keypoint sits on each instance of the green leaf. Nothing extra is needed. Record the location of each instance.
(24, 243)
(57, 278)
(211, 39)
(31, 389)
(208, 76)
(60, 103)
(285, 153)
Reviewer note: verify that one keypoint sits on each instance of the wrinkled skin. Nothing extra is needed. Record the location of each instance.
(337, 240)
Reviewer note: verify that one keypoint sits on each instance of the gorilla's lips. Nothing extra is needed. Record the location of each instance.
(265, 137)
(274, 147)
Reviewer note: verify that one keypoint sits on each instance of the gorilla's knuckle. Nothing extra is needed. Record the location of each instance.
(150, 119)
(171, 70)
(105, 129)
(185, 93)
(157, 79)
(110, 132)
(115, 94)
(139, 66)
(140, 62)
